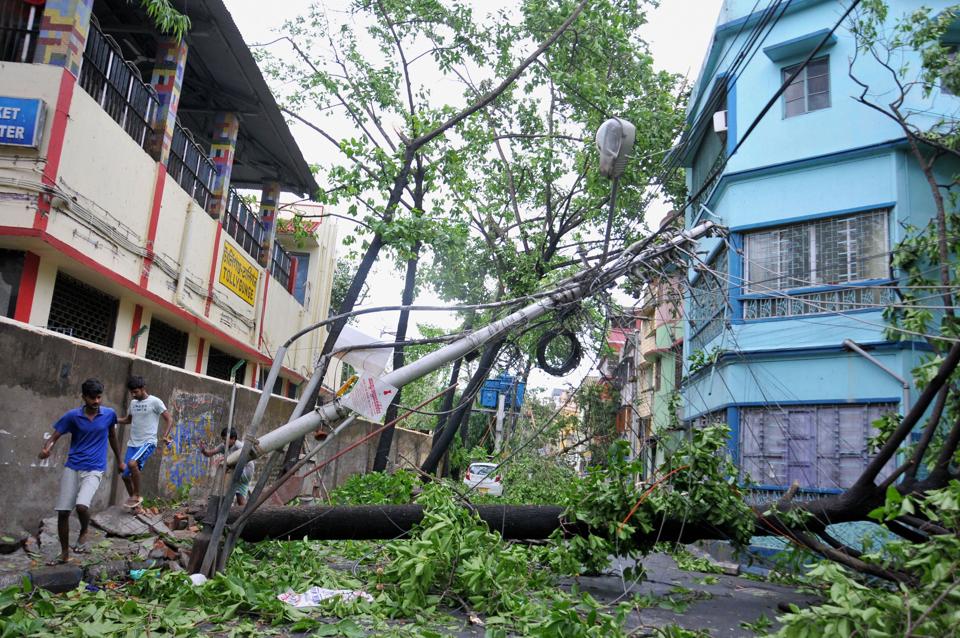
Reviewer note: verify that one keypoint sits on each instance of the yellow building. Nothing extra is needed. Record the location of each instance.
(121, 155)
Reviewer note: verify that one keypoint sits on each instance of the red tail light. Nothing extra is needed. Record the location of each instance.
(468, 475)
(497, 479)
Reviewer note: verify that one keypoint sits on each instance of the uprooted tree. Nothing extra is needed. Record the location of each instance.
(696, 497)
(926, 263)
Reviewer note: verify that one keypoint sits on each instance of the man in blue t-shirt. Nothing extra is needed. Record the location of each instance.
(90, 428)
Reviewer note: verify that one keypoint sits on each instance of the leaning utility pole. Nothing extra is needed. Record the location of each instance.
(372, 396)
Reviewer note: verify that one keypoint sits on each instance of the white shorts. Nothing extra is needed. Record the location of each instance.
(77, 488)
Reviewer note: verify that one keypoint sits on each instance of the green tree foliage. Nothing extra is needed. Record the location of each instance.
(929, 605)
(166, 18)
(697, 484)
(376, 488)
(599, 403)
(342, 276)
(530, 189)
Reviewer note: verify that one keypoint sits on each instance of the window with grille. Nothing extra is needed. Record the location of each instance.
(11, 269)
(708, 302)
(821, 446)
(220, 363)
(827, 252)
(166, 344)
(810, 90)
(19, 28)
(623, 322)
(82, 311)
(292, 389)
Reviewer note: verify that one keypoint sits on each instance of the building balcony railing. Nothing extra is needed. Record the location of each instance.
(190, 166)
(828, 299)
(117, 86)
(280, 265)
(244, 225)
(19, 28)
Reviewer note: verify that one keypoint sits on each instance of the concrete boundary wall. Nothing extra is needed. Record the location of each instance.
(41, 376)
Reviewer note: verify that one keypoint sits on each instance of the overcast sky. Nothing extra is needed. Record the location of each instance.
(678, 33)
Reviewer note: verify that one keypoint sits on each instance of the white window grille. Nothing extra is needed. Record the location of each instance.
(828, 252)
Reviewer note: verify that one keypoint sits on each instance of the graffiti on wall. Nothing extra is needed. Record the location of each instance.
(197, 417)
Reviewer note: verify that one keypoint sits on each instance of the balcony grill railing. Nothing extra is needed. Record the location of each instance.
(280, 266)
(116, 85)
(244, 225)
(190, 166)
(19, 28)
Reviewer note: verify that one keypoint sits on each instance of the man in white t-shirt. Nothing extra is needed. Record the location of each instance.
(145, 412)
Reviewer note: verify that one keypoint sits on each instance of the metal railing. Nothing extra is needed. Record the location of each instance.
(190, 166)
(280, 265)
(19, 28)
(117, 86)
(244, 225)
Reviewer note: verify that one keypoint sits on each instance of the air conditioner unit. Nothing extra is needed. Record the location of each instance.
(720, 121)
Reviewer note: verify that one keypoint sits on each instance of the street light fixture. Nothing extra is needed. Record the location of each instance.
(615, 139)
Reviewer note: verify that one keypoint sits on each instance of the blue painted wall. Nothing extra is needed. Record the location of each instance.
(837, 160)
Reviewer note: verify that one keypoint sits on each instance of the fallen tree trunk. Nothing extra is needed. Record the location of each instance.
(377, 522)
(383, 522)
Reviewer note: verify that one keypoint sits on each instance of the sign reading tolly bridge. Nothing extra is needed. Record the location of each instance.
(238, 274)
(21, 121)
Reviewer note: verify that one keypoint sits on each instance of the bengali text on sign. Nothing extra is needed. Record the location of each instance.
(238, 274)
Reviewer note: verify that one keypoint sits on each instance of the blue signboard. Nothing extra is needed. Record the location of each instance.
(21, 121)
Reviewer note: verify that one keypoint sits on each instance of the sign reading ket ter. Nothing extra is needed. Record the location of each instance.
(21, 121)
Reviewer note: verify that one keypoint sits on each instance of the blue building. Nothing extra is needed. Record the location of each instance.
(785, 335)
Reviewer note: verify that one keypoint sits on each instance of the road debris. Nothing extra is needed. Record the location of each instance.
(316, 595)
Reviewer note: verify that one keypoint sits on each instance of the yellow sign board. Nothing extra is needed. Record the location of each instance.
(238, 274)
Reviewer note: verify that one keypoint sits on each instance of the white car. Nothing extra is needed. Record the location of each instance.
(479, 476)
